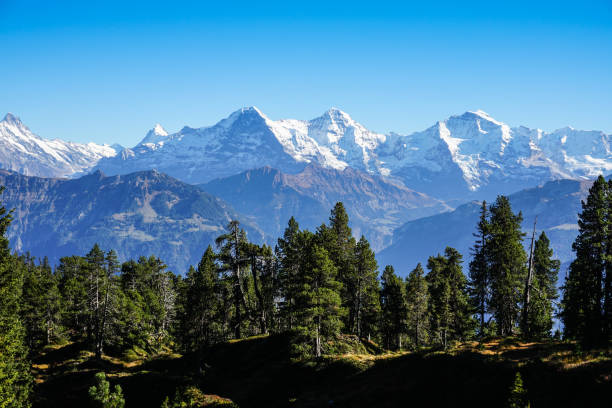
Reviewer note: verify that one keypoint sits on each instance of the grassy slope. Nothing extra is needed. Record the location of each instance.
(258, 372)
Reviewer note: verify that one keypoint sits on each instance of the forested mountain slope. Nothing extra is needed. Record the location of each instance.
(376, 205)
(145, 213)
(555, 204)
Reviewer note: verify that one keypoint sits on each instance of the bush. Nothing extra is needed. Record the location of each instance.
(101, 396)
(191, 397)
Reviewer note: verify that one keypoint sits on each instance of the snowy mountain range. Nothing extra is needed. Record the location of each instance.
(26, 153)
(466, 156)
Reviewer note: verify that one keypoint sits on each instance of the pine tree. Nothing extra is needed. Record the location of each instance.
(288, 253)
(544, 289)
(318, 305)
(40, 303)
(507, 260)
(417, 301)
(479, 268)
(364, 306)
(263, 276)
(101, 395)
(394, 309)
(518, 394)
(200, 305)
(231, 245)
(583, 292)
(338, 240)
(15, 378)
(73, 275)
(449, 306)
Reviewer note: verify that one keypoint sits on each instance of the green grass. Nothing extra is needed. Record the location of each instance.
(259, 372)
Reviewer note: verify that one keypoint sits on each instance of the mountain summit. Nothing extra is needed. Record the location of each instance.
(471, 155)
(29, 154)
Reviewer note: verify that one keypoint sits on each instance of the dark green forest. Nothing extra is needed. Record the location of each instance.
(265, 314)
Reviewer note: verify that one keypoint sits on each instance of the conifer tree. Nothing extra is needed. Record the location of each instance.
(15, 378)
(288, 253)
(479, 268)
(200, 305)
(263, 275)
(364, 307)
(74, 292)
(101, 395)
(319, 308)
(394, 308)
(231, 246)
(417, 301)
(449, 305)
(507, 260)
(544, 289)
(338, 240)
(584, 299)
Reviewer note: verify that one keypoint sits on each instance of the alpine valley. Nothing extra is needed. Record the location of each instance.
(173, 192)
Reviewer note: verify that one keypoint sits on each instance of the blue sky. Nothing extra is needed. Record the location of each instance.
(107, 71)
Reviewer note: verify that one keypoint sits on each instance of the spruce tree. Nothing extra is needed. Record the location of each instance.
(507, 263)
(338, 241)
(288, 253)
(394, 309)
(417, 302)
(544, 289)
(231, 246)
(364, 305)
(15, 378)
(200, 305)
(319, 308)
(479, 268)
(449, 306)
(584, 297)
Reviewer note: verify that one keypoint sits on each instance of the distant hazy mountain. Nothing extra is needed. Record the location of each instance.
(136, 214)
(375, 205)
(24, 152)
(556, 205)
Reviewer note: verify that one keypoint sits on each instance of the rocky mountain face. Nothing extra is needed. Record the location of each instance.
(145, 213)
(463, 157)
(375, 205)
(556, 205)
(24, 152)
(468, 156)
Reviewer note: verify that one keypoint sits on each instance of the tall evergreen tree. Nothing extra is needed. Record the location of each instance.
(479, 268)
(319, 307)
(449, 306)
(200, 305)
(231, 246)
(544, 289)
(364, 305)
(584, 298)
(41, 304)
(15, 378)
(507, 260)
(394, 308)
(417, 301)
(338, 240)
(288, 254)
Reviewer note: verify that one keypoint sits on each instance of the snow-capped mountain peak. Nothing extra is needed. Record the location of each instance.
(24, 152)
(12, 119)
(154, 136)
(464, 153)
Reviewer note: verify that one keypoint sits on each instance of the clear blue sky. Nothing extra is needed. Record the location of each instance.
(105, 71)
